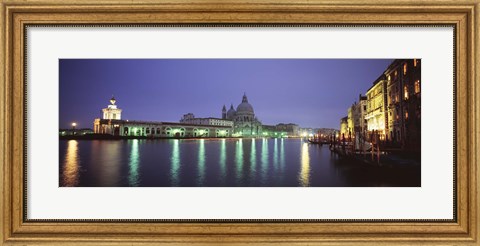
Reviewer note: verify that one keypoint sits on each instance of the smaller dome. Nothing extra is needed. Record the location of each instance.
(231, 112)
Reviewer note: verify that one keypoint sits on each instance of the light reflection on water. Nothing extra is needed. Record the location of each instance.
(264, 160)
(70, 175)
(175, 163)
(223, 161)
(282, 155)
(206, 163)
(239, 159)
(253, 160)
(201, 162)
(304, 176)
(133, 176)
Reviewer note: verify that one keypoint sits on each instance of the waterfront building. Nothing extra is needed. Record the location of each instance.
(307, 131)
(404, 103)
(351, 119)
(191, 119)
(356, 122)
(376, 107)
(111, 111)
(272, 131)
(391, 107)
(244, 120)
(117, 127)
(359, 113)
(344, 126)
(291, 129)
(75, 132)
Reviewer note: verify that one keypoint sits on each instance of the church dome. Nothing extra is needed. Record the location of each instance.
(231, 113)
(245, 107)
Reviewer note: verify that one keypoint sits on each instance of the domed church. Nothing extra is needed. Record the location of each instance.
(244, 120)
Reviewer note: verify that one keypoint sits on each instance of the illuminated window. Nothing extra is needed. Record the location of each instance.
(417, 86)
(414, 62)
(406, 115)
(389, 78)
(404, 68)
(405, 92)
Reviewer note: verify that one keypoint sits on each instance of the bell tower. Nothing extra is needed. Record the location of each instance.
(111, 112)
(224, 112)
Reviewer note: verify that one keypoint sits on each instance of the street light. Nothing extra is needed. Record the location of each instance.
(74, 124)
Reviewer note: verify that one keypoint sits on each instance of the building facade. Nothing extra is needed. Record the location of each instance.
(291, 130)
(344, 126)
(404, 103)
(359, 113)
(351, 119)
(244, 120)
(391, 107)
(376, 107)
(191, 119)
(111, 111)
(119, 127)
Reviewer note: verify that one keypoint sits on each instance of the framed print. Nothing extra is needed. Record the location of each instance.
(243, 122)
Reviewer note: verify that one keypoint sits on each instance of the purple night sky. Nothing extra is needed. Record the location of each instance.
(308, 92)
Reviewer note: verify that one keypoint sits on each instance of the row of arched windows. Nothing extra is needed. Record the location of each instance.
(145, 131)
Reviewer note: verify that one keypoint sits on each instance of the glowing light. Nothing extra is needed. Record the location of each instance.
(133, 175)
(223, 159)
(264, 159)
(253, 160)
(304, 175)
(71, 170)
(201, 162)
(282, 154)
(175, 163)
(239, 159)
(74, 124)
(275, 153)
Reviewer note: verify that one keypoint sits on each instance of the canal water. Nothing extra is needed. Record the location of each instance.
(218, 163)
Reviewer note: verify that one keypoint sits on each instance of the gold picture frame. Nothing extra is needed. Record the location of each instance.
(17, 14)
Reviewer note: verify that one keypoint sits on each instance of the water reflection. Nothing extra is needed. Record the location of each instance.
(282, 155)
(71, 168)
(239, 159)
(253, 160)
(133, 176)
(304, 175)
(264, 159)
(201, 162)
(223, 160)
(218, 163)
(111, 162)
(175, 163)
(275, 154)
